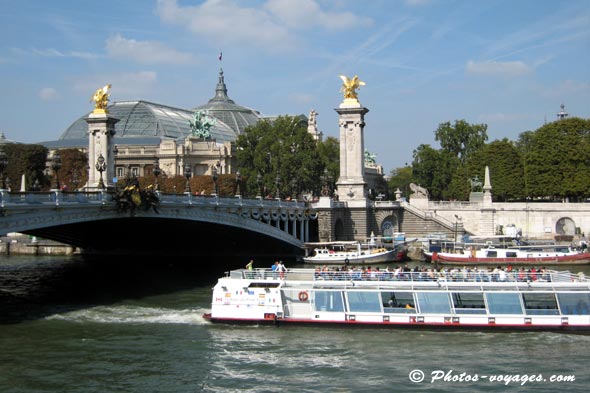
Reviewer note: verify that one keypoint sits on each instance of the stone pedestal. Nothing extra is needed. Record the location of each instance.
(101, 128)
(351, 183)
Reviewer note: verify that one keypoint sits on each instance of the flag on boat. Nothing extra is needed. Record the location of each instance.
(220, 55)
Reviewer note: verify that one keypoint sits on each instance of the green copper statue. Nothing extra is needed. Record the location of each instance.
(201, 124)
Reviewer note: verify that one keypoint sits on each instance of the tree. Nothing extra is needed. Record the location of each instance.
(400, 178)
(283, 153)
(557, 159)
(433, 169)
(73, 173)
(329, 152)
(462, 139)
(28, 160)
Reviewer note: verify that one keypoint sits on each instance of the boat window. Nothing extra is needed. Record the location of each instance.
(398, 302)
(263, 285)
(510, 254)
(574, 303)
(433, 302)
(504, 303)
(492, 254)
(468, 302)
(328, 301)
(363, 301)
(540, 303)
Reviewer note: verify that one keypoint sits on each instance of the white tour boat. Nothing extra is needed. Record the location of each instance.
(521, 255)
(341, 253)
(547, 300)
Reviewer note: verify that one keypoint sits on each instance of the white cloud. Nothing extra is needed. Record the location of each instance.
(52, 52)
(272, 26)
(507, 68)
(125, 86)
(145, 52)
(307, 13)
(48, 94)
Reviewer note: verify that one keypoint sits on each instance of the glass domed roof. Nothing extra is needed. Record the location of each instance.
(147, 119)
(226, 110)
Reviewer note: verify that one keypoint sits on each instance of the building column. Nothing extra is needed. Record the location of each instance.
(101, 128)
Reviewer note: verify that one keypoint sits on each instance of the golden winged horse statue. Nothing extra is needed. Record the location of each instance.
(350, 85)
(101, 99)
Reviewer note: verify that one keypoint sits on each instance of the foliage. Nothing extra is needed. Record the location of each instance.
(28, 160)
(433, 169)
(462, 139)
(283, 153)
(329, 152)
(73, 173)
(400, 178)
(557, 159)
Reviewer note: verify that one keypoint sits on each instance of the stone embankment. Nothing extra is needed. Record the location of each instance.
(30, 245)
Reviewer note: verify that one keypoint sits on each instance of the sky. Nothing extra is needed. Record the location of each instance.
(509, 64)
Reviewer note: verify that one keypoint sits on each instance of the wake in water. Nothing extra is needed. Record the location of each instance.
(133, 315)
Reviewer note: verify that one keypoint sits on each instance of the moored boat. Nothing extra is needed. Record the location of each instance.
(549, 301)
(525, 255)
(343, 253)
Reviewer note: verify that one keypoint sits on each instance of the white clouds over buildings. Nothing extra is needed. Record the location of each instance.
(498, 68)
(145, 52)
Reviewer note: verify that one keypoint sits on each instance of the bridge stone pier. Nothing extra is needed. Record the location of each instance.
(180, 224)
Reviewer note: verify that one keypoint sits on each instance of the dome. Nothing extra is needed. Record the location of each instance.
(141, 119)
(227, 111)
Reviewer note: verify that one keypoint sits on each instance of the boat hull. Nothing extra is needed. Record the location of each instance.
(450, 259)
(389, 256)
(399, 325)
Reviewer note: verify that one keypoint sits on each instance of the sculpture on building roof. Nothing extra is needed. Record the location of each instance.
(370, 158)
(101, 99)
(349, 86)
(201, 124)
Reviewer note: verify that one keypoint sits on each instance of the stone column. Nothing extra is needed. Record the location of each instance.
(351, 184)
(101, 128)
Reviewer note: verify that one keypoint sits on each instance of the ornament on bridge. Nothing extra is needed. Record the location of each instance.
(132, 197)
(350, 86)
(201, 124)
(101, 100)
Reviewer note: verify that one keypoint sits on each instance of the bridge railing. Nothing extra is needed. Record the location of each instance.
(57, 197)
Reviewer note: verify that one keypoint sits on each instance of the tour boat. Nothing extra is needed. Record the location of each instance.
(478, 299)
(523, 255)
(342, 253)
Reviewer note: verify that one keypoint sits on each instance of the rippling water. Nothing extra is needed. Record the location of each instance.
(68, 325)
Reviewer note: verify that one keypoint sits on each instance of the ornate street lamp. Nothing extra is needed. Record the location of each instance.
(56, 166)
(101, 166)
(238, 180)
(3, 165)
(187, 174)
(278, 184)
(156, 171)
(214, 176)
(259, 184)
(294, 189)
(36, 185)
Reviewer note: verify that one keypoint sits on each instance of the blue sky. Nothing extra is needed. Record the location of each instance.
(508, 64)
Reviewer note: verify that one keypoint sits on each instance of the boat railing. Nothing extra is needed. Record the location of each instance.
(445, 276)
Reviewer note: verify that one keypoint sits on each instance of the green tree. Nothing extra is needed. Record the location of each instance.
(433, 169)
(329, 152)
(461, 139)
(400, 178)
(557, 159)
(73, 173)
(28, 160)
(283, 153)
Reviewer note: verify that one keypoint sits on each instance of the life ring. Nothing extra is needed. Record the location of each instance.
(303, 296)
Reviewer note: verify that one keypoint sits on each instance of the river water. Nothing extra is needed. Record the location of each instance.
(112, 325)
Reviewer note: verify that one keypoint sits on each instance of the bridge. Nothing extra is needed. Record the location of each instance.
(180, 224)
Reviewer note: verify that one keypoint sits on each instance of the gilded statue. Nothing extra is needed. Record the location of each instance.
(101, 99)
(349, 86)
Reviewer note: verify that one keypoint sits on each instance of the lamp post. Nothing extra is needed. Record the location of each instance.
(56, 166)
(259, 184)
(3, 165)
(214, 176)
(156, 171)
(238, 180)
(101, 166)
(278, 184)
(187, 174)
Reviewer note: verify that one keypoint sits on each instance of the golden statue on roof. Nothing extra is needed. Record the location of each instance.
(101, 99)
(350, 85)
